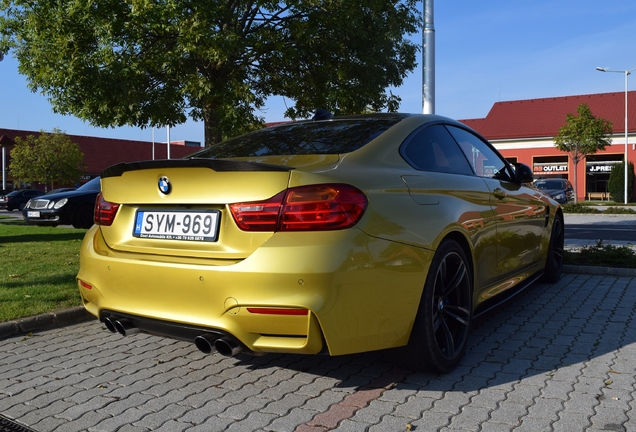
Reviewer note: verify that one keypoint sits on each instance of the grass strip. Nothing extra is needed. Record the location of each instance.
(38, 266)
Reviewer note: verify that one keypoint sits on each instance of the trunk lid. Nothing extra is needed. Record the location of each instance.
(191, 188)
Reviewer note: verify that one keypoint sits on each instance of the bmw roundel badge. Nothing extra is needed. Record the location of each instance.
(164, 185)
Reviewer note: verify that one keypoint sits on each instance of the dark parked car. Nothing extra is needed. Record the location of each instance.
(73, 207)
(560, 190)
(16, 200)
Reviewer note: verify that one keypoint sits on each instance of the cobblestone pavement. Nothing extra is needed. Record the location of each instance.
(560, 357)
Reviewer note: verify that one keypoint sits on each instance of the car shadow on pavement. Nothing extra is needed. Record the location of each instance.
(541, 334)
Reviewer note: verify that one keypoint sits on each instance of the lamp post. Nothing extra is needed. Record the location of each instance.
(4, 158)
(428, 59)
(626, 72)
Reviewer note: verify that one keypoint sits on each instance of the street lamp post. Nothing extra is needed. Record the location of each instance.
(4, 159)
(626, 72)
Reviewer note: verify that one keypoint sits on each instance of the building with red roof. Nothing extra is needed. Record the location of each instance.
(523, 131)
(100, 153)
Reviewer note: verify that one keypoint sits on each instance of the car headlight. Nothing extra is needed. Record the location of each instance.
(28, 204)
(559, 197)
(60, 203)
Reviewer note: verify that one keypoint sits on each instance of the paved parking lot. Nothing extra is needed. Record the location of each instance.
(560, 357)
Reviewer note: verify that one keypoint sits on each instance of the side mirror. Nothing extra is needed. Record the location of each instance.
(523, 173)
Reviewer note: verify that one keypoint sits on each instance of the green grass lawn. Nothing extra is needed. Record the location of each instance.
(38, 266)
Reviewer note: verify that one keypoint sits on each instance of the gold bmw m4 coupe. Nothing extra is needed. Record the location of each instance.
(336, 236)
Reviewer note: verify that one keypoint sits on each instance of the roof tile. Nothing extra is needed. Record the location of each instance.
(534, 118)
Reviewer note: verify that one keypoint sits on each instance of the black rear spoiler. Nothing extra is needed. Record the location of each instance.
(213, 164)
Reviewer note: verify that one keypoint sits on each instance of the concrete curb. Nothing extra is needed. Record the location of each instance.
(78, 314)
(603, 271)
(44, 321)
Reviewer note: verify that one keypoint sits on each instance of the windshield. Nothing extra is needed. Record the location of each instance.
(300, 138)
(550, 184)
(91, 186)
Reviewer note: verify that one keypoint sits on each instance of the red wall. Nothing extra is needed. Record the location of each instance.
(529, 156)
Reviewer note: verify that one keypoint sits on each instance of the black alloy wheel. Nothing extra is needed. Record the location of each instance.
(441, 328)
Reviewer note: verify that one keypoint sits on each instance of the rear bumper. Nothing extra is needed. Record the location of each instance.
(186, 332)
(360, 293)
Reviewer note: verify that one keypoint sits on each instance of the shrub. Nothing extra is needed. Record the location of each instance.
(578, 208)
(619, 210)
(616, 182)
(603, 256)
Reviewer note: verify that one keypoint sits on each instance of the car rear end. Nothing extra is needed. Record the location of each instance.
(235, 254)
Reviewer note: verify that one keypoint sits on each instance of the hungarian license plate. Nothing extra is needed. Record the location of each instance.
(177, 225)
(33, 214)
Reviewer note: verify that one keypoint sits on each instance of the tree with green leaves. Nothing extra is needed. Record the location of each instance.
(151, 63)
(616, 182)
(47, 158)
(583, 135)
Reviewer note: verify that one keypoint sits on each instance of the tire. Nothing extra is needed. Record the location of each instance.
(83, 216)
(21, 206)
(442, 325)
(554, 260)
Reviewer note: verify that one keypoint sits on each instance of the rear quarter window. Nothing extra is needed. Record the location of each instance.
(434, 149)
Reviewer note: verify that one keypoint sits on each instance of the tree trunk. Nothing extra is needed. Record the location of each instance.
(212, 126)
(576, 188)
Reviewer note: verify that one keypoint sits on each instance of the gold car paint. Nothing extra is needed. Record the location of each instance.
(466, 204)
(521, 225)
(458, 204)
(493, 235)
(193, 186)
(363, 291)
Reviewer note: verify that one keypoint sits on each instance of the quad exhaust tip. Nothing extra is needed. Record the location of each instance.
(123, 326)
(206, 343)
(225, 346)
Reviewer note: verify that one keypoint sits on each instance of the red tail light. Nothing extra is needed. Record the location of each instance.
(104, 211)
(305, 208)
(277, 311)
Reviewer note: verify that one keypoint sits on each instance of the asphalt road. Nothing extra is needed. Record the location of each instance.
(582, 229)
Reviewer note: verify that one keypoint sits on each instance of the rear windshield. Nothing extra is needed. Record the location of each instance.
(299, 138)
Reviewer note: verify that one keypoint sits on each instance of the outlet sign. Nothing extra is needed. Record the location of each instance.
(553, 168)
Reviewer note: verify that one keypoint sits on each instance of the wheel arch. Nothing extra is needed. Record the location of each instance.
(464, 243)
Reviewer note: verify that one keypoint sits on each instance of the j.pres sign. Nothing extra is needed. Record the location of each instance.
(599, 168)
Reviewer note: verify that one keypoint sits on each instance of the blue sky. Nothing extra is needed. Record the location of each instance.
(486, 51)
